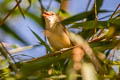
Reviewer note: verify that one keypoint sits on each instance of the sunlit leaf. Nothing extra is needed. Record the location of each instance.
(81, 16)
(20, 49)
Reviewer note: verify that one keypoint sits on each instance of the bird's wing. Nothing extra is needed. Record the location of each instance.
(67, 32)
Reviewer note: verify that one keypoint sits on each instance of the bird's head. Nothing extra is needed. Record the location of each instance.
(50, 18)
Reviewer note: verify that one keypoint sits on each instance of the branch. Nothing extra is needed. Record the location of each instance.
(78, 40)
(114, 13)
(9, 13)
(5, 53)
(20, 9)
(44, 62)
(28, 6)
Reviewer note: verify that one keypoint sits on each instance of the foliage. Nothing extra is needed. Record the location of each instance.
(103, 36)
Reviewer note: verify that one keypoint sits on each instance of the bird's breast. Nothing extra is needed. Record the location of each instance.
(58, 39)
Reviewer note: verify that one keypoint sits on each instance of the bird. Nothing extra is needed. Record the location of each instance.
(59, 37)
(56, 33)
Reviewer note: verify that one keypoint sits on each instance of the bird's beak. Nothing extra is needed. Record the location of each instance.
(45, 14)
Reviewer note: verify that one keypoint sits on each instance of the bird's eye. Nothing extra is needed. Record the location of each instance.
(52, 14)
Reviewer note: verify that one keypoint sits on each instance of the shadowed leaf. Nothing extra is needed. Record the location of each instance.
(90, 24)
(58, 1)
(99, 4)
(41, 41)
(43, 62)
(104, 45)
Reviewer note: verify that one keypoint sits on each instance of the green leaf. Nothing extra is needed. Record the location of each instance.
(20, 49)
(81, 16)
(76, 17)
(41, 41)
(100, 43)
(86, 34)
(115, 22)
(43, 62)
(90, 25)
(58, 1)
(104, 45)
(99, 24)
(99, 4)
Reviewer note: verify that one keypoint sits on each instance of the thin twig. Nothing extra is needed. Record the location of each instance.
(114, 49)
(65, 49)
(113, 54)
(20, 9)
(43, 10)
(96, 17)
(118, 16)
(56, 53)
(42, 7)
(88, 5)
(63, 5)
(9, 13)
(77, 40)
(50, 2)
(28, 6)
(43, 21)
(115, 11)
(104, 17)
(101, 31)
(5, 53)
(96, 39)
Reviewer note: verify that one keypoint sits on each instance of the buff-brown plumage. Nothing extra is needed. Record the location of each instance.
(56, 33)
